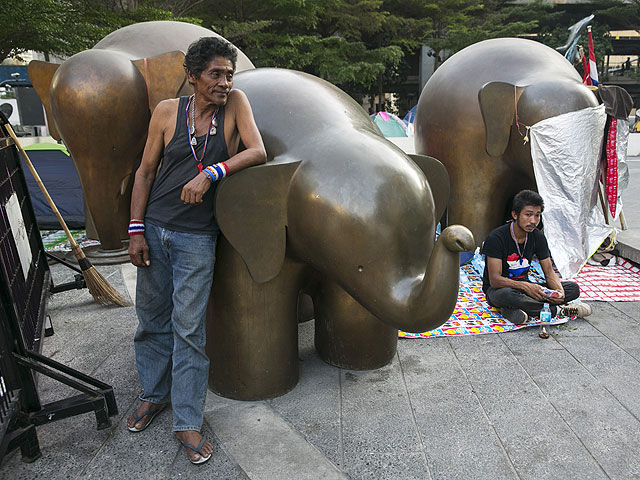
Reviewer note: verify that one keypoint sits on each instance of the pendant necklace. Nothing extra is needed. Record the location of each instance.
(524, 247)
(191, 130)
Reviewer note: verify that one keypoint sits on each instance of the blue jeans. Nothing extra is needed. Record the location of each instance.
(171, 302)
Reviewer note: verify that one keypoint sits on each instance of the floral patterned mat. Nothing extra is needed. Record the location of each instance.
(473, 315)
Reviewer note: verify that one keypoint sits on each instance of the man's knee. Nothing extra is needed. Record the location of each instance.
(571, 291)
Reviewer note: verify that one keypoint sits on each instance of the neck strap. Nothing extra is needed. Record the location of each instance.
(524, 247)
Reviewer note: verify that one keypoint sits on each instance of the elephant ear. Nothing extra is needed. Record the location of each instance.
(40, 73)
(498, 102)
(251, 208)
(164, 75)
(438, 179)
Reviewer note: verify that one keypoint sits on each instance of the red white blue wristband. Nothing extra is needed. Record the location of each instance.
(217, 171)
(136, 227)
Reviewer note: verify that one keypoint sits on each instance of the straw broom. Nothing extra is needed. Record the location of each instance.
(101, 291)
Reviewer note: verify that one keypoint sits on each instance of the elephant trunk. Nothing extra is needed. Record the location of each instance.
(426, 302)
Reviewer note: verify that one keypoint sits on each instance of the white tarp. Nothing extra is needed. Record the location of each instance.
(622, 143)
(566, 154)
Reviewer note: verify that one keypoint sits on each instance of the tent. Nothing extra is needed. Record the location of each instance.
(409, 119)
(389, 124)
(58, 173)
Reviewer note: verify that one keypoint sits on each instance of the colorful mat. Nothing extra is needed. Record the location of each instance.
(56, 240)
(617, 283)
(473, 315)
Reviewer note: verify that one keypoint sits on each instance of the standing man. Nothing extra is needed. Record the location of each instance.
(194, 141)
(509, 250)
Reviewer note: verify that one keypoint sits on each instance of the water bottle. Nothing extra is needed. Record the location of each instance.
(545, 314)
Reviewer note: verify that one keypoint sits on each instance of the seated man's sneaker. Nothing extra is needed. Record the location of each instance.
(514, 315)
(578, 309)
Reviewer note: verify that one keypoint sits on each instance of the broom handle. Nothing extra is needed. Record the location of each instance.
(74, 245)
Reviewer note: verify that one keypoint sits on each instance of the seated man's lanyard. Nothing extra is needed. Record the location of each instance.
(524, 247)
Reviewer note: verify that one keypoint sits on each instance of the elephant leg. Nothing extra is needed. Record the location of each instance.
(347, 335)
(305, 308)
(252, 329)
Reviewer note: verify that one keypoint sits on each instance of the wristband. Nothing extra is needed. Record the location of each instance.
(136, 227)
(217, 171)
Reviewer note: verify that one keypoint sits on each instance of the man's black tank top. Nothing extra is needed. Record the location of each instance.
(178, 167)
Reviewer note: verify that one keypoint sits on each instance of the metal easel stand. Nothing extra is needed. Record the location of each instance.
(95, 396)
(78, 283)
(19, 429)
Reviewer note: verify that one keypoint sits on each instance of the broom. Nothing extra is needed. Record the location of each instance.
(101, 291)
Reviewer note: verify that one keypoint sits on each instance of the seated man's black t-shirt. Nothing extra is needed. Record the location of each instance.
(500, 244)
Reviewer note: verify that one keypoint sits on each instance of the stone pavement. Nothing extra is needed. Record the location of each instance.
(504, 406)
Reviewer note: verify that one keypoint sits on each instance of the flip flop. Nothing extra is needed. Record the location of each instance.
(137, 418)
(197, 449)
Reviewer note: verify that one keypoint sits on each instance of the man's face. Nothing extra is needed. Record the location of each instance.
(529, 218)
(215, 81)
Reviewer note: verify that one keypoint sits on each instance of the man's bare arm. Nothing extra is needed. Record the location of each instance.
(496, 280)
(146, 173)
(254, 153)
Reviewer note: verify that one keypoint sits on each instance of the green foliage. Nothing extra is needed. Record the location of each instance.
(65, 27)
(363, 46)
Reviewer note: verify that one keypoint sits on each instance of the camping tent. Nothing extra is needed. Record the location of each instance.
(58, 174)
(409, 119)
(389, 124)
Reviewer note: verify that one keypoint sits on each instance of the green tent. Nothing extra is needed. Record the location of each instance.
(389, 124)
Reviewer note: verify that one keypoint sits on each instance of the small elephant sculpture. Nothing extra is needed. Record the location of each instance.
(338, 212)
(466, 118)
(99, 102)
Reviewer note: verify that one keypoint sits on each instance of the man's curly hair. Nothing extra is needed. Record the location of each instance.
(202, 51)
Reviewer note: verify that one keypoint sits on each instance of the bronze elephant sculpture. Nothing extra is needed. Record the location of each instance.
(337, 212)
(99, 102)
(466, 118)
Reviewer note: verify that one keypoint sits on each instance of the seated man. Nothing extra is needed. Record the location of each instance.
(509, 250)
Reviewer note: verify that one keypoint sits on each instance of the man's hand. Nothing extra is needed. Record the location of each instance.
(193, 191)
(533, 290)
(555, 300)
(139, 251)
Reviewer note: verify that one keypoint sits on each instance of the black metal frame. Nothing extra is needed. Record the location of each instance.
(23, 305)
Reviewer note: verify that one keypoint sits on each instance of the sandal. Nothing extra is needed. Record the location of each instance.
(152, 414)
(197, 449)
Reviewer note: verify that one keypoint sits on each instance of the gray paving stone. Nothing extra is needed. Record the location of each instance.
(266, 447)
(458, 440)
(313, 406)
(376, 466)
(613, 367)
(620, 327)
(536, 438)
(368, 428)
(606, 428)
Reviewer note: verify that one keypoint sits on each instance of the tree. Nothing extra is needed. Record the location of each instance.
(65, 27)
(321, 37)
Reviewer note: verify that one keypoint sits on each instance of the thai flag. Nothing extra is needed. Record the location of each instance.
(593, 69)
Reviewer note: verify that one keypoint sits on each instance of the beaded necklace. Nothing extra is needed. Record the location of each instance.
(191, 130)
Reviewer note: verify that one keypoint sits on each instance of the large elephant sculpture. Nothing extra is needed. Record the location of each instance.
(99, 102)
(466, 118)
(338, 212)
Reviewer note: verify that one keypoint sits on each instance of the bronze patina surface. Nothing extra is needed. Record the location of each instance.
(337, 212)
(99, 102)
(466, 119)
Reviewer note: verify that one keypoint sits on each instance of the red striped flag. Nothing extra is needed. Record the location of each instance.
(593, 69)
(586, 79)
